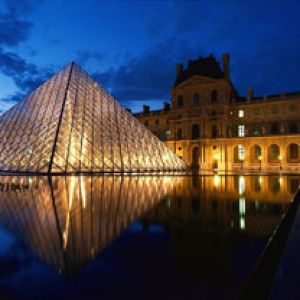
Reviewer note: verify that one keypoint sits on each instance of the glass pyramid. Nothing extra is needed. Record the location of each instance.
(70, 124)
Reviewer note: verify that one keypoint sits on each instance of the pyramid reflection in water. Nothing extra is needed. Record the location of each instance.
(70, 124)
(69, 221)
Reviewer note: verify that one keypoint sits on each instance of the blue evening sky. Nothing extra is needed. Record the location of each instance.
(132, 47)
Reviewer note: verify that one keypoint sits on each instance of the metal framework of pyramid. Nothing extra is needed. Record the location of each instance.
(70, 124)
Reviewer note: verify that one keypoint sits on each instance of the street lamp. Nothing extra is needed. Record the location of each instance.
(259, 158)
(216, 162)
(242, 164)
(280, 159)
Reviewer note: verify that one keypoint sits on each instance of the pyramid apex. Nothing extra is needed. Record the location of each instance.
(73, 100)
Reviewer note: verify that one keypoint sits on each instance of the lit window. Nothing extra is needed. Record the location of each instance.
(241, 113)
(241, 130)
(241, 152)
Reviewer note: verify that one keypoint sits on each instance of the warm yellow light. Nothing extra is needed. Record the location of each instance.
(216, 180)
(216, 157)
(83, 193)
(241, 185)
(259, 158)
(280, 157)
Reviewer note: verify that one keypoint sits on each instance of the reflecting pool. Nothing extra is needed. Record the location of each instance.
(135, 237)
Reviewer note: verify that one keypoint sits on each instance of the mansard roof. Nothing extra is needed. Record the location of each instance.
(204, 66)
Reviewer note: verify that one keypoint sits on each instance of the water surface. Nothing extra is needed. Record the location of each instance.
(134, 237)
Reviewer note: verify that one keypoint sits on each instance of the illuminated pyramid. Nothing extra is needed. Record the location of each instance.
(70, 124)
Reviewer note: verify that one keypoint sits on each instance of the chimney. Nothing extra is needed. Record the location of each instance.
(179, 69)
(167, 106)
(250, 93)
(226, 65)
(146, 108)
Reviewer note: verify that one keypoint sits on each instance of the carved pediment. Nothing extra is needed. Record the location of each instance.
(197, 80)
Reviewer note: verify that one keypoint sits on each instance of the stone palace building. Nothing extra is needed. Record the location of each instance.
(210, 126)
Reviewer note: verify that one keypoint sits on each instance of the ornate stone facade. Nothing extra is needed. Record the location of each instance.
(210, 126)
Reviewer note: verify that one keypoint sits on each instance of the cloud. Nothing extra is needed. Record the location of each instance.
(148, 76)
(86, 56)
(13, 27)
(25, 75)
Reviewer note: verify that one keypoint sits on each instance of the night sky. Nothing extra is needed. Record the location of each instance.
(132, 47)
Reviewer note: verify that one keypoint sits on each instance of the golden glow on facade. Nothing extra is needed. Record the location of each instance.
(70, 124)
(245, 132)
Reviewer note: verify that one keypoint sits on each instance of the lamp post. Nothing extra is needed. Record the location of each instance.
(242, 164)
(216, 162)
(259, 158)
(280, 159)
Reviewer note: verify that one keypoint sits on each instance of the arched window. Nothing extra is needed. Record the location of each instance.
(196, 99)
(214, 96)
(293, 152)
(180, 101)
(274, 153)
(293, 127)
(195, 131)
(179, 134)
(257, 130)
(256, 153)
(239, 153)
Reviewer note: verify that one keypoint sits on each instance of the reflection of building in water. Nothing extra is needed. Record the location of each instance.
(217, 224)
(69, 221)
(228, 202)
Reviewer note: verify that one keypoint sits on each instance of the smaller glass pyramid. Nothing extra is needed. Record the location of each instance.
(70, 124)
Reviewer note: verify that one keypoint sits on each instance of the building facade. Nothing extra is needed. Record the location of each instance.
(210, 126)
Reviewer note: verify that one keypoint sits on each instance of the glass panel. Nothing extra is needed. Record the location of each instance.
(71, 124)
